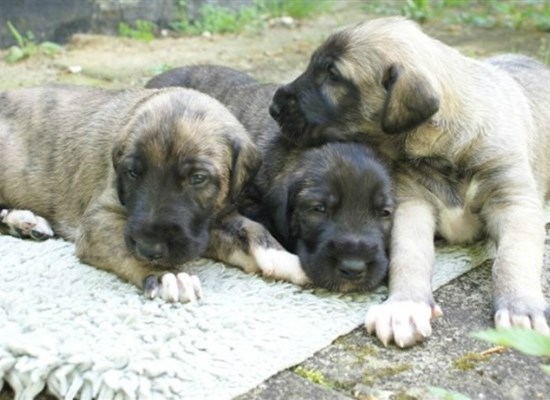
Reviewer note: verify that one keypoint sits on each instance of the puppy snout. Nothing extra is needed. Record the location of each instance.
(275, 110)
(151, 250)
(352, 244)
(283, 98)
(155, 241)
(352, 269)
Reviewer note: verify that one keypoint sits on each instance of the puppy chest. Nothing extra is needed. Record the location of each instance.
(459, 221)
(459, 225)
(455, 196)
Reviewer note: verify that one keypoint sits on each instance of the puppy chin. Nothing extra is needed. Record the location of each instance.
(341, 286)
(327, 278)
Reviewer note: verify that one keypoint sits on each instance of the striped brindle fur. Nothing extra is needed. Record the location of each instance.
(141, 180)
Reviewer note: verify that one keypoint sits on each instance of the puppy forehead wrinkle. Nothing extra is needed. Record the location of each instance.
(181, 128)
(373, 38)
(333, 49)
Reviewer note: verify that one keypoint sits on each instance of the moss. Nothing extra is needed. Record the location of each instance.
(313, 375)
(469, 361)
(362, 352)
(379, 373)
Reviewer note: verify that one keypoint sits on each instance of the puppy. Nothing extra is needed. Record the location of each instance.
(141, 180)
(470, 140)
(330, 204)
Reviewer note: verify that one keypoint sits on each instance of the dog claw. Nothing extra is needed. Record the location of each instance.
(181, 287)
(404, 322)
(529, 316)
(24, 223)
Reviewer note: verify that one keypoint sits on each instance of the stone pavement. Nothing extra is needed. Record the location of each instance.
(358, 366)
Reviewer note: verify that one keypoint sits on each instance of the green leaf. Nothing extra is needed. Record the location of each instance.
(546, 368)
(50, 48)
(444, 394)
(524, 340)
(18, 38)
(14, 54)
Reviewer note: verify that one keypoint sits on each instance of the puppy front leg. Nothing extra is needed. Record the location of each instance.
(405, 316)
(519, 234)
(100, 242)
(25, 224)
(239, 241)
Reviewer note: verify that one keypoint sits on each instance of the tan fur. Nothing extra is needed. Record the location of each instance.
(60, 148)
(470, 142)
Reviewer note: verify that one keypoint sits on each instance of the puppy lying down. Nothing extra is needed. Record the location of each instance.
(331, 204)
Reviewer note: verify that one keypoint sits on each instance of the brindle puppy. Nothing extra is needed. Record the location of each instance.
(331, 204)
(141, 180)
(470, 140)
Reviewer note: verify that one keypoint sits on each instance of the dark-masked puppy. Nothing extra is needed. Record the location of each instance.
(330, 204)
(470, 141)
(141, 180)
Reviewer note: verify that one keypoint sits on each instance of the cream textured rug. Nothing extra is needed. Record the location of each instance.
(82, 333)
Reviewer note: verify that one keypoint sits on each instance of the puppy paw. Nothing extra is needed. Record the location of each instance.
(173, 288)
(404, 322)
(24, 223)
(280, 264)
(523, 313)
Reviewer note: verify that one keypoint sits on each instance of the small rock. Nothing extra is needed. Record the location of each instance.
(74, 69)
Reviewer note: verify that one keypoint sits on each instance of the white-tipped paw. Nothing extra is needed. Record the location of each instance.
(404, 322)
(280, 264)
(522, 313)
(24, 223)
(173, 288)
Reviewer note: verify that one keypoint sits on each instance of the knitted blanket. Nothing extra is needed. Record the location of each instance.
(80, 332)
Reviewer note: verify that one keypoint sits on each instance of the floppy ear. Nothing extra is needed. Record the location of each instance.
(116, 157)
(245, 162)
(411, 99)
(279, 204)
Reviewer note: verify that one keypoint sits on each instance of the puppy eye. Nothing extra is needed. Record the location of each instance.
(386, 212)
(389, 78)
(198, 178)
(332, 72)
(320, 208)
(133, 173)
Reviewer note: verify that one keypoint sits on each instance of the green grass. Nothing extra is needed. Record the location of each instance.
(141, 30)
(218, 19)
(27, 47)
(295, 8)
(527, 14)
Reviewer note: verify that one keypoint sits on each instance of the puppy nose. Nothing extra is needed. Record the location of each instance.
(275, 110)
(283, 97)
(151, 250)
(351, 269)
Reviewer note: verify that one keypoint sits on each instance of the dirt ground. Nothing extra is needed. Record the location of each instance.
(278, 54)
(274, 54)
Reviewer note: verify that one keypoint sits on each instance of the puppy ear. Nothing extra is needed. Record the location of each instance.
(116, 157)
(279, 203)
(411, 99)
(246, 161)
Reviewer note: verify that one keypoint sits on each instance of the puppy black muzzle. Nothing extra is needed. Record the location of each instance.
(346, 264)
(285, 109)
(165, 243)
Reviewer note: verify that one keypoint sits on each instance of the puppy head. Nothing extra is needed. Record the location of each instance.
(335, 213)
(181, 160)
(364, 81)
